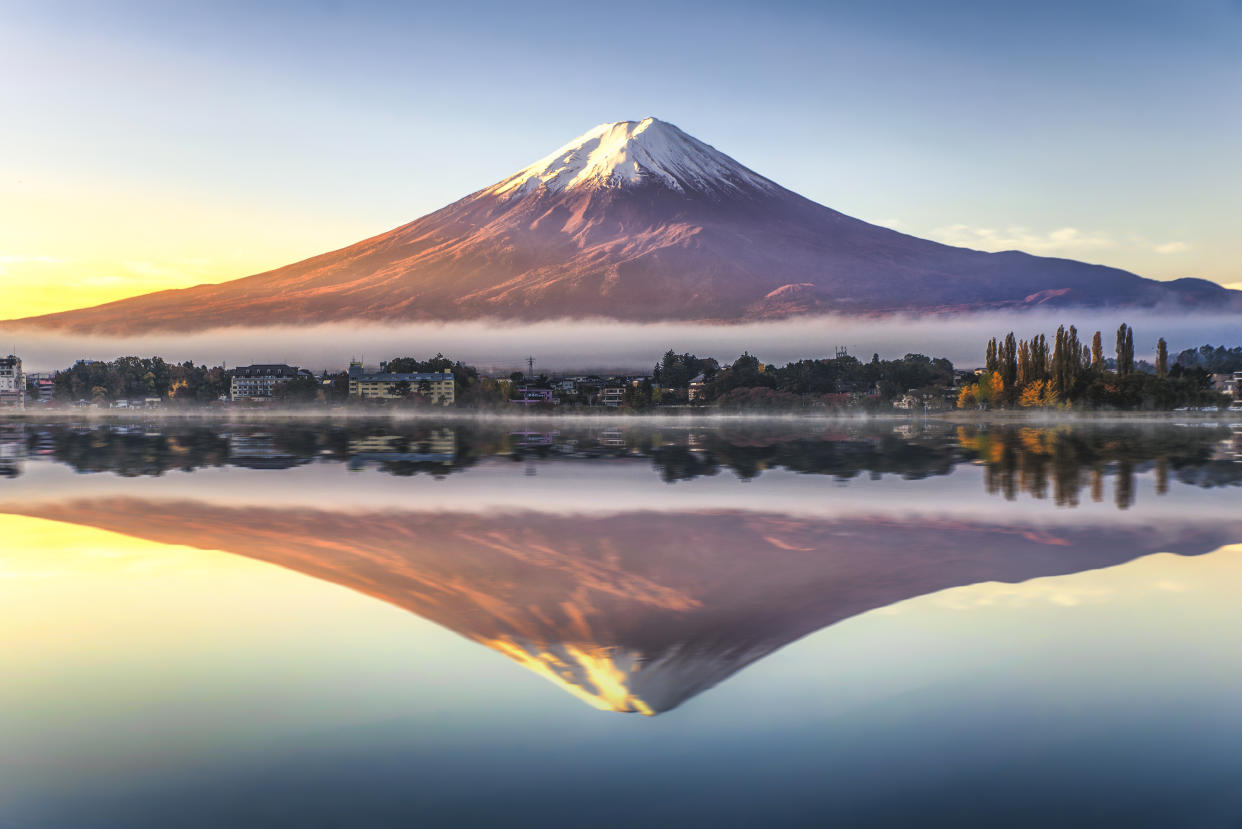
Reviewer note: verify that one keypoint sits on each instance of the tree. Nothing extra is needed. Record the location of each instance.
(1162, 358)
(1032, 394)
(401, 389)
(1125, 350)
(1008, 359)
(1097, 352)
(297, 390)
(996, 388)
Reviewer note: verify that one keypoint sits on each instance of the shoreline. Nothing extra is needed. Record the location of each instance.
(682, 417)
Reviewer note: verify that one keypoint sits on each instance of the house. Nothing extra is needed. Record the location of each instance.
(612, 396)
(437, 387)
(695, 389)
(259, 381)
(12, 382)
(40, 388)
(1228, 383)
(528, 396)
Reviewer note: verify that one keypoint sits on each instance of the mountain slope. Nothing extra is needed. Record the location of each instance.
(635, 221)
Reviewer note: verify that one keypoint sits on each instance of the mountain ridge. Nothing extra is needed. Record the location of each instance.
(642, 222)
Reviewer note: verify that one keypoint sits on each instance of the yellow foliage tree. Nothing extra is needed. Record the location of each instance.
(1032, 394)
(966, 398)
(997, 389)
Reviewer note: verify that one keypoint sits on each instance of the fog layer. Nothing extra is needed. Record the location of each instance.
(602, 345)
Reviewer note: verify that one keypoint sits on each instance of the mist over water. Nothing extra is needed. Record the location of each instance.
(601, 345)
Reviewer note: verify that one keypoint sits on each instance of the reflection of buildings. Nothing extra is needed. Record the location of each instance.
(612, 437)
(1230, 448)
(12, 450)
(438, 446)
(259, 451)
(534, 440)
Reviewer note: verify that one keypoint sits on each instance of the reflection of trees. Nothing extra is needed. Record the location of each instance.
(1065, 461)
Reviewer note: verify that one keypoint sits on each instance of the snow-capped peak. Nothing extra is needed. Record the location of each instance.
(630, 153)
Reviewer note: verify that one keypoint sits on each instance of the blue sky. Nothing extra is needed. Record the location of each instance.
(153, 144)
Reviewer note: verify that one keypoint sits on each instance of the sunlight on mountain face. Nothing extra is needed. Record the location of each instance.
(597, 677)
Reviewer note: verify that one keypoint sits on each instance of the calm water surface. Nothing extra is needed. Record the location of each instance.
(723, 624)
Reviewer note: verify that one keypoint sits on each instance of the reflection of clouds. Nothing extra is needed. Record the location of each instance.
(1134, 580)
(992, 594)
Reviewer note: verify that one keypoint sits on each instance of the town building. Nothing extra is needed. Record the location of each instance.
(695, 390)
(612, 396)
(1228, 383)
(259, 381)
(12, 381)
(528, 396)
(40, 388)
(437, 387)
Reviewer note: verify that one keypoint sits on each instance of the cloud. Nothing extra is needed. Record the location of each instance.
(10, 259)
(1065, 240)
(565, 345)
(30, 260)
(1171, 247)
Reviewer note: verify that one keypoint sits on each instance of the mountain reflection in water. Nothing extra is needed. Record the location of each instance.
(639, 610)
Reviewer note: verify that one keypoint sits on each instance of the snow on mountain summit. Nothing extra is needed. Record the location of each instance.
(632, 153)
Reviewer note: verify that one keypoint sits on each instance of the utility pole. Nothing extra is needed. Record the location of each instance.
(530, 367)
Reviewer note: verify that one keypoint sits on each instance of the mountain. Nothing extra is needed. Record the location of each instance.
(636, 221)
(636, 627)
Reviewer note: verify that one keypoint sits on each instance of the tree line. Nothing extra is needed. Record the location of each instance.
(748, 383)
(1069, 373)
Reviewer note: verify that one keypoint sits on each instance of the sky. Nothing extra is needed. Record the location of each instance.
(152, 145)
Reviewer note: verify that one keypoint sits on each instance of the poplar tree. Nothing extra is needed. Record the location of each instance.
(1162, 357)
(1129, 350)
(1125, 350)
(1025, 375)
(1009, 362)
(1097, 352)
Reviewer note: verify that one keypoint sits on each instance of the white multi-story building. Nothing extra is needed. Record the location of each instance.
(12, 381)
(259, 381)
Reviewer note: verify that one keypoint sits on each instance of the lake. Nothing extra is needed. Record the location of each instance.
(619, 623)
